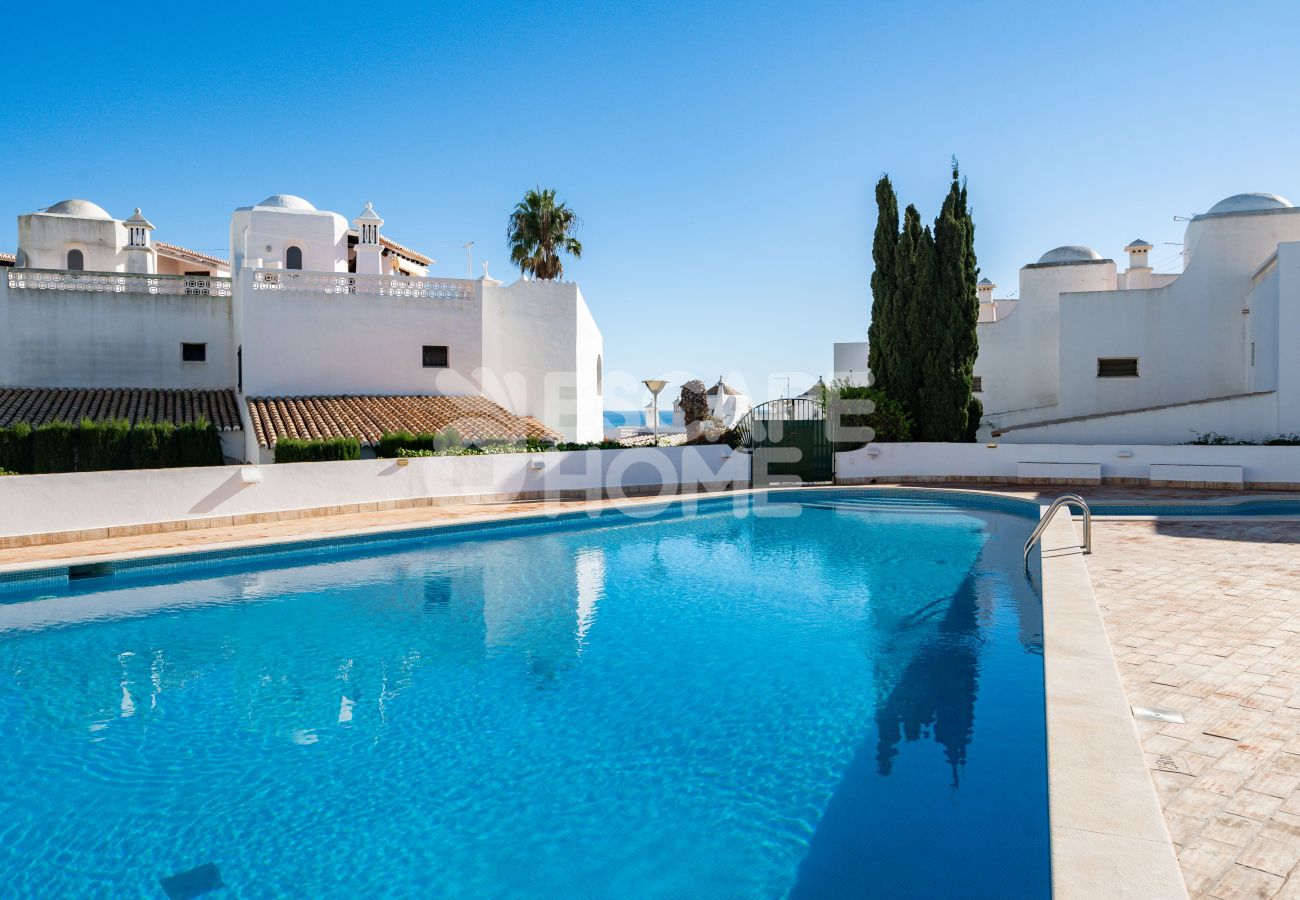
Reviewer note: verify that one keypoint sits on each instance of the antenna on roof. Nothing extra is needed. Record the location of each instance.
(469, 259)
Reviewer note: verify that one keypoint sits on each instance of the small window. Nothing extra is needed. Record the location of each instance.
(76, 261)
(977, 384)
(600, 376)
(194, 352)
(293, 258)
(1117, 367)
(435, 357)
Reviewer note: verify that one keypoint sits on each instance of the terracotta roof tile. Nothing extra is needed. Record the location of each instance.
(7, 259)
(176, 250)
(367, 418)
(36, 406)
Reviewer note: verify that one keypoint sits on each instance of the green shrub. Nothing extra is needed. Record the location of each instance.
(54, 447)
(1282, 440)
(1214, 439)
(404, 453)
(974, 417)
(289, 450)
(4, 472)
(889, 421)
(102, 446)
(198, 444)
(153, 445)
(16, 448)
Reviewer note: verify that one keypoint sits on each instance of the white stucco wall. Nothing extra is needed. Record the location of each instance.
(263, 235)
(851, 361)
(44, 240)
(540, 352)
(76, 338)
(921, 460)
(37, 504)
(1020, 354)
(302, 343)
(1192, 335)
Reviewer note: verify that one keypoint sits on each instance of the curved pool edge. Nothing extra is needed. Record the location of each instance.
(1107, 831)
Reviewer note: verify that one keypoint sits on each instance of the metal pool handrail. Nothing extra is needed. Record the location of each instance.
(1060, 501)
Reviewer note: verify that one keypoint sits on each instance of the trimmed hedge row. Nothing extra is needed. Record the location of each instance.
(113, 444)
(289, 450)
(390, 442)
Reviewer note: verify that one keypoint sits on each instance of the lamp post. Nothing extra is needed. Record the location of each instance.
(655, 385)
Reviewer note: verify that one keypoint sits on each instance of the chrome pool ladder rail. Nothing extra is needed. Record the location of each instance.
(1063, 500)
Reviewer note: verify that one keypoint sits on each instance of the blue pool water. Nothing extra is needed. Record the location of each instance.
(803, 699)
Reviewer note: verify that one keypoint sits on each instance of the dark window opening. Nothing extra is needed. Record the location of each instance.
(1117, 367)
(435, 357)
(194, 352)
(293, 258)
(76, 261)
(239, 363)
(976, 384)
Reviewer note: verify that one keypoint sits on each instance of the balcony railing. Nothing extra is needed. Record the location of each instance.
(119, 282)
(363, 285)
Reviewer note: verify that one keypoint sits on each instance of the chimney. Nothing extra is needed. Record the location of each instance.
(984, 290)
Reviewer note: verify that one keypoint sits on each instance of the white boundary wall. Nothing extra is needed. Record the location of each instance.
(1260, 465)
(79, 501)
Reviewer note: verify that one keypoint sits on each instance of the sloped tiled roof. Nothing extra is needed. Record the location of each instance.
(366, 418)
(176, 251)
(7, 259)
(36, 406)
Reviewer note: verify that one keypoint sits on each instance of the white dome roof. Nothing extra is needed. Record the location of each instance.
(1071, 253)
(81, 208)
(287, 201)
(1250, 203)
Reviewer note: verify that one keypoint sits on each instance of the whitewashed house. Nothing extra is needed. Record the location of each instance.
(317, 327)
(1088, 353)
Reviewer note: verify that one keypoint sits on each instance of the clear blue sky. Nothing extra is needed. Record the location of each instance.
(722, 156)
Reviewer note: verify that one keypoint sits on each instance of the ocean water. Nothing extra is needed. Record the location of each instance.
(826, 702)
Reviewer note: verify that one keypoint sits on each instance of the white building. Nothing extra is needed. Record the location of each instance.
(317, 327)
(1091, 354)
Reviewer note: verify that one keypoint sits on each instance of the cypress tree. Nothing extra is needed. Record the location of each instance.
(954, 344)
(884, 287)
(904, 344)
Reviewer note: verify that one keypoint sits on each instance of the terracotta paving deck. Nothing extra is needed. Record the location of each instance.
(1204, 618)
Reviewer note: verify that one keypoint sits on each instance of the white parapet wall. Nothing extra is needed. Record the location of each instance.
(1260, 467)
(90, 501)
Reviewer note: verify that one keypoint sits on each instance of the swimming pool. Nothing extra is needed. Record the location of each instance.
(791, 696)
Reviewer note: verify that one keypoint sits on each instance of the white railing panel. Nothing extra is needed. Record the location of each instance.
(362, 285)
(119, 283)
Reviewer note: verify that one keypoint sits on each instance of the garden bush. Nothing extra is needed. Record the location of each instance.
(54, 447)
(102, 446)
(889, 421)
(289, 450)
(198, 444)
(153, 445)
(16, 448)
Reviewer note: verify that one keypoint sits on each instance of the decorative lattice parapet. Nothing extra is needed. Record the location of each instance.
(362, 285)
(118, 282)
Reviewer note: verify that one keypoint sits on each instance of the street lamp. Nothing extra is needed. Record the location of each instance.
(655, 385)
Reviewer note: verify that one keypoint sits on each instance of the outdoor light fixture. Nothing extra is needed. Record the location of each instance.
(655, 385)
(250, 475)
(873, 450)
(538, 464)
(1124, 452)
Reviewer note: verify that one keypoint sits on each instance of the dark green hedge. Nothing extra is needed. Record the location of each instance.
(289, 450)
(16, 448)
(392, 441)
(54, 447)
(100, 446)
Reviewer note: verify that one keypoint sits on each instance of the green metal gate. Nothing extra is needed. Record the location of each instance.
(788, 442)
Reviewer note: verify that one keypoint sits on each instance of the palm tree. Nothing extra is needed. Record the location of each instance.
(540, 229)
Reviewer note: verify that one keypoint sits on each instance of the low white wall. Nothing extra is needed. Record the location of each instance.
(39, 504)
(916, 460)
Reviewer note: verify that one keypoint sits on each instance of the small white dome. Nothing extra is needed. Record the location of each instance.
(82, 209)
(1068, 254)
(1250, 203)
(287, 201)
